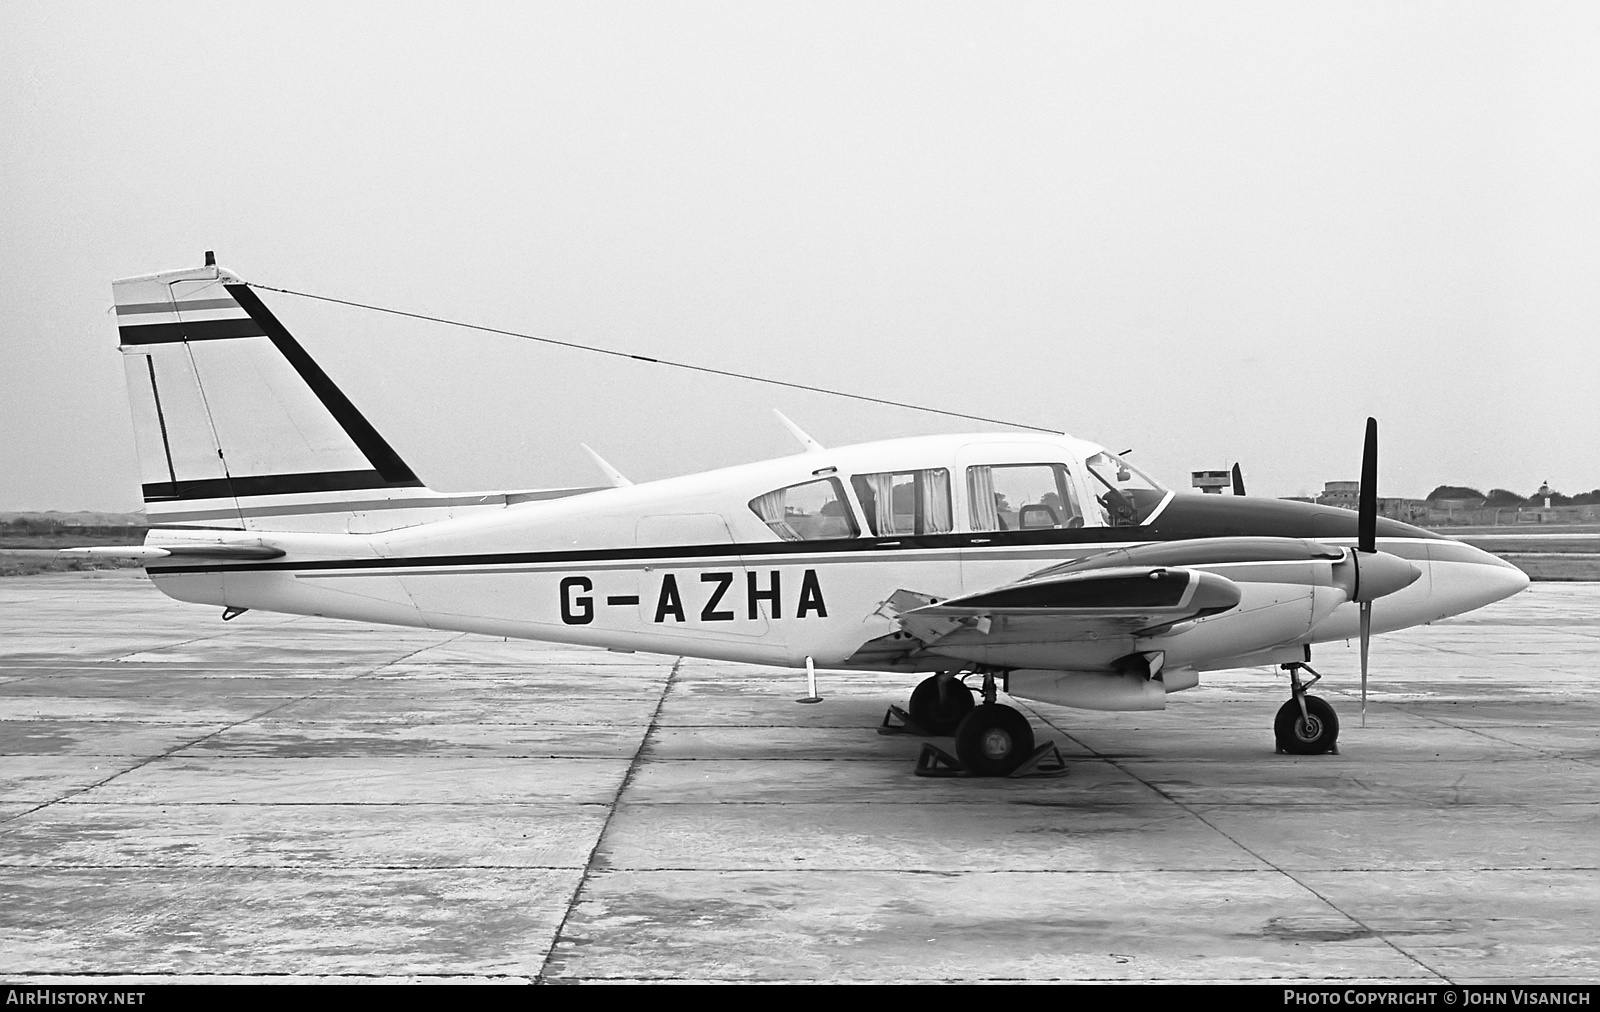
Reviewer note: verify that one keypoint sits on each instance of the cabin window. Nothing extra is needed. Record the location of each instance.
(1022, 497)
(815, 511)
(905, 502)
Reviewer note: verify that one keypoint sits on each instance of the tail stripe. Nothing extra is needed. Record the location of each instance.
(168, 308)
(196, 330)
(269, 484)
(389, 466)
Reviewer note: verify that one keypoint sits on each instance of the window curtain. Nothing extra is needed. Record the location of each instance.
(769, 508)
(980, 499)
(883, 502)
(934, 491)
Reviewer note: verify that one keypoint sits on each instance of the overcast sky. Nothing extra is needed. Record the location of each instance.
(1207, 231)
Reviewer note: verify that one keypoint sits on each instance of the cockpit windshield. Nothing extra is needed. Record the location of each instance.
(1127, 496)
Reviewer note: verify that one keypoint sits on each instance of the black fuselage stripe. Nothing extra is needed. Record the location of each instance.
(736, 552)
(720, 551)
(377, 450)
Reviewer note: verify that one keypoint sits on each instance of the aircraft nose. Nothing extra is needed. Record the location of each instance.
(1381, 574)
(1465, 577)
(1495, 579)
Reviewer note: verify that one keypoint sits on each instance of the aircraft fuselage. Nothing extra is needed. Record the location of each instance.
(692, 565)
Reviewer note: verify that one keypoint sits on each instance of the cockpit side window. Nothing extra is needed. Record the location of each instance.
(814, 511)
(905, 502)
(1020, 497)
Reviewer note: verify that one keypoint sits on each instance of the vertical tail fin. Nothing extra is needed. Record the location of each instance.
(237, 426)
(232, 419)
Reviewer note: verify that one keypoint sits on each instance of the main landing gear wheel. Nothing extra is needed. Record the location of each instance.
(994, 740)
(1310, 733)
(940, 703)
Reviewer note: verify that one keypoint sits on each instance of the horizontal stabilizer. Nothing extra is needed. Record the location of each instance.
(239, 552)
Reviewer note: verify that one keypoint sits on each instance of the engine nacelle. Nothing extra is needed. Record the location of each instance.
(1099, 690)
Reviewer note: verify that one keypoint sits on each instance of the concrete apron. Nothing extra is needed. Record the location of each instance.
(296, 798)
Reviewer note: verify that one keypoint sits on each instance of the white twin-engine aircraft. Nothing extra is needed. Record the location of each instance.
(1036, 563)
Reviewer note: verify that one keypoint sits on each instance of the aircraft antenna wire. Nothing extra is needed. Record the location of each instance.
(576, 346)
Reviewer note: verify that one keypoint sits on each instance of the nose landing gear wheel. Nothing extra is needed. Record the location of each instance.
(939, 705)
(1310, 733)
(994, 740)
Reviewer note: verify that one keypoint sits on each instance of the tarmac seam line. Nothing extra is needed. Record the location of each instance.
(212, 734)
(1483, 733)
(599, 839)
(1286, 873)
(184, 643)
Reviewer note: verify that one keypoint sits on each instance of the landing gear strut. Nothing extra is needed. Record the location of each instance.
(1305, 725)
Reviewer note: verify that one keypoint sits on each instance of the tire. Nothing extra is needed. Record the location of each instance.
(1297, 736)
(994, 740)
(937, 709)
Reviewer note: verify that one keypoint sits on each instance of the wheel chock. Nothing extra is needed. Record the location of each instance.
(1046, 761)
(936, 762)
(905, 724)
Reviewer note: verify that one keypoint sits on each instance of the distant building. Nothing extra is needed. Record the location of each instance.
(1407, 511)
(1347, 495)
(1455, 511)
(1344, 494)
(1212, 482)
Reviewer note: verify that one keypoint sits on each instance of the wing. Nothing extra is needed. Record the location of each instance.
(1140, 600)
(1063, 620)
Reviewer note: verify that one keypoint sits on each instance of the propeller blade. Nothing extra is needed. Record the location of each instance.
(1238, 480)
(1367, 529)
(1366, 638)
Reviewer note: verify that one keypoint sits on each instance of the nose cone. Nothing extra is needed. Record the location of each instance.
(1465, 578)
(1382, 574)
(1494, 579)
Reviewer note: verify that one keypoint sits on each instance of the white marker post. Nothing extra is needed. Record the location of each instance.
(811, 683)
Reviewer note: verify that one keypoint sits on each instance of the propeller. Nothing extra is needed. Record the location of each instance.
(1367, 542)
(1371, 574)
(1238, 480)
